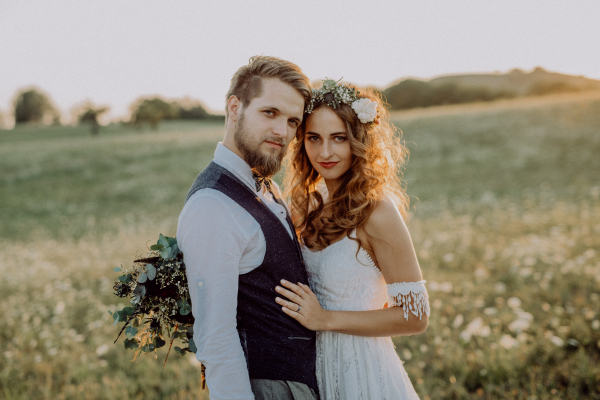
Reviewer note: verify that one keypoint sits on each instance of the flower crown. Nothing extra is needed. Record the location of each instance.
(334, 94)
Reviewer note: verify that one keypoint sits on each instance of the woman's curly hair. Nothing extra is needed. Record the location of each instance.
(378, 158)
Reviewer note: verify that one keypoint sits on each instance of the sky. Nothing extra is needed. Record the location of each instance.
(112, 51)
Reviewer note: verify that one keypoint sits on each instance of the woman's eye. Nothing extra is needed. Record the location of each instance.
(339, 139)
(313, 138)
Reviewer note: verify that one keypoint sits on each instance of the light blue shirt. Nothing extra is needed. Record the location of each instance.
(220, 240)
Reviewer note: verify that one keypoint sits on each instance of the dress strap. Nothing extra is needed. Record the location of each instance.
(409, 295)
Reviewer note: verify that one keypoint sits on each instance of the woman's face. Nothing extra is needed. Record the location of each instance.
(326, 143)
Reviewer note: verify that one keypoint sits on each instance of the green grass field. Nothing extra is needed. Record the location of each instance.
(505, 218)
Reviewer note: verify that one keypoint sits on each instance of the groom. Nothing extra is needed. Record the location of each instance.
(238, 242)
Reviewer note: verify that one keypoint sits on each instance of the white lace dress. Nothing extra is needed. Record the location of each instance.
(353, 367)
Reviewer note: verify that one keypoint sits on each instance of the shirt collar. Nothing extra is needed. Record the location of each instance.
(234, 164)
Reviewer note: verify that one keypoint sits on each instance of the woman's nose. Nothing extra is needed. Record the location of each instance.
(326, 150)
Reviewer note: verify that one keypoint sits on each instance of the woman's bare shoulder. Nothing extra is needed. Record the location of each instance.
(385, 220)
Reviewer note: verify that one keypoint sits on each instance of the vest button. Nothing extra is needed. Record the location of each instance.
(200, 284)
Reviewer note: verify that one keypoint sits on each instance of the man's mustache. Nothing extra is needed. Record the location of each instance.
(276, 140)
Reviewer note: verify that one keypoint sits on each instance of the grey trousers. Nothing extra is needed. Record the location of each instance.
(266, 389)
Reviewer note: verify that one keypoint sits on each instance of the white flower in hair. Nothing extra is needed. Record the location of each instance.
(365, 109)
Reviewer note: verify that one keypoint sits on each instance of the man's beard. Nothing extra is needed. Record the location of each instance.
(266, 165)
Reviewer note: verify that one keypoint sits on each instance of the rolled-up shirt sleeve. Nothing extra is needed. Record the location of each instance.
(212, 243)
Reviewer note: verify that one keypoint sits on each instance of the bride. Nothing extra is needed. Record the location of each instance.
(348, 208)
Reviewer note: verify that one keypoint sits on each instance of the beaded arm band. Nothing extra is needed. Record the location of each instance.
(410, 295)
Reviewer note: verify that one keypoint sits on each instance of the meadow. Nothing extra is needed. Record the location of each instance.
(505, 218)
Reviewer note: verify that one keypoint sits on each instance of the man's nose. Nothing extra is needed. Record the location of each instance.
(280, 128)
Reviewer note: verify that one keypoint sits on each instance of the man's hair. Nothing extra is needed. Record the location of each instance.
(246, 83)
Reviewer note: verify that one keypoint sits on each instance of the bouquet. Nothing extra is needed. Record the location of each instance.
(160, 301)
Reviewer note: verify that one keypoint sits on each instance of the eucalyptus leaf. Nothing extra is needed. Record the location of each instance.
(156, 247)
(159, 342)
(136, 323)
(193, 347)
(151, 271)
(140, 290)
(172, 241)
(164, 253)
(179, 351)
(130, 332)
(131, 344)
(148, 348)
(125, 278)
(117, 269)
(142, 278)
(128, 311)
(163, 240)
(185, 310)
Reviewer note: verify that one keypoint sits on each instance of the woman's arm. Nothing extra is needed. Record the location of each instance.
(389, 241)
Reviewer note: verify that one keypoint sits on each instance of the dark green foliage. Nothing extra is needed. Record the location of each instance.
(413, 93)
(456, 89)
(154, 110)
(545, 87)
(151, 111)
(32, 105)
(88, 114)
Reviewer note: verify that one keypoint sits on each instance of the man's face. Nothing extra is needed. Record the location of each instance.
(268, 124)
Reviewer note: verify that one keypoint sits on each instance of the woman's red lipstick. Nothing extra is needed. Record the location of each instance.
(328, 164)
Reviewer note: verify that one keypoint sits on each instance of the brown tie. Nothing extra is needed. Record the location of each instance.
(259, 180)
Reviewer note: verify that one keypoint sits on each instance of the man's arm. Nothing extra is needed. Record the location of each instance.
(212, 243)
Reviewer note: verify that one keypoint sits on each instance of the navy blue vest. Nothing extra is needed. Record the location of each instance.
(276, 346)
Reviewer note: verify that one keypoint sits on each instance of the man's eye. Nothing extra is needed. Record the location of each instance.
(294, 122)
(269, 112)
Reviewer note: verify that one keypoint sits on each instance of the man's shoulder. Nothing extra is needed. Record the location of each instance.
(208, 199)
(209, 209)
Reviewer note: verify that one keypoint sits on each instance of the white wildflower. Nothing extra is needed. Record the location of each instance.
(102, 349)
(475, 328)
(490, 310)
(500, 287)
(60, 307)
(519, 325)
(485, 331)
(458, 320)
(448, 257)
(365, 109)
(508, 342)
(557, 341)
(513, 302)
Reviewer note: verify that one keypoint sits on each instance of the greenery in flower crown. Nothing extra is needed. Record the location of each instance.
(333, 94)
(160, 301)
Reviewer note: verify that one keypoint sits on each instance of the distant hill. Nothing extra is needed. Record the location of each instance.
(455, 89)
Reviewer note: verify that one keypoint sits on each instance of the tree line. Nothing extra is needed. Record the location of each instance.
(34, 106)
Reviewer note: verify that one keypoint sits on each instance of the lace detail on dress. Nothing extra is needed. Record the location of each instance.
(347, 366)
(368, 256)
(401, 294)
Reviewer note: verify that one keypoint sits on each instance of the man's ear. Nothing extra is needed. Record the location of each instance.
(234, 106)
